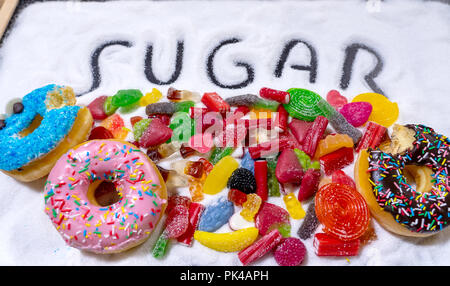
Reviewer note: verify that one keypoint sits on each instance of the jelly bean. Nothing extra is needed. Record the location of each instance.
(272, 182)
(293, 206)
(356, 113)
(217, 179)
(176, 95)
(96, 108)
(309, 185)
(214, 102)
(220, 152)
(126, 97)
(237, 197)
(247, 100)
(315, 133)
(273, 94)
(303, 104)
(309, 224)
(373, 136)
(336, 160)
(332, 143)
(195, 212)
(227, 242)
(156, 133)
(116, 126)
(384, 112)
(139, 128)
(290, 252)
(251, 207)
(326, 245)
(237, 222)
(100, 132)
(261, 179)
(216, 215)
(288, 168)
(108, 108)
(259, 248)
(347, 223)
(247, 162)
(151, 97)
(335, 99)
(271, 217)
(177, 221)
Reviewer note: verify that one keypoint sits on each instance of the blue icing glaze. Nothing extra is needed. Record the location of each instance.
(216, 215)
(55, 125)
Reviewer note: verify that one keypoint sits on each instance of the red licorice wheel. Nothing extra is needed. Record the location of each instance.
(342, 211)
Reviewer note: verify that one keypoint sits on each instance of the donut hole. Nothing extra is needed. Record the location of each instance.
(33, 126)
(103, 193)
(419, 177)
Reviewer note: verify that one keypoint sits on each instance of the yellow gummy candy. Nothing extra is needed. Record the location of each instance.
(218, 177)
(227, 242)
(384, 112)
(293, 206)
(151, 97)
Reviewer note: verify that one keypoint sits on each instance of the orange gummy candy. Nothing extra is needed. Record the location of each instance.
(332, 143)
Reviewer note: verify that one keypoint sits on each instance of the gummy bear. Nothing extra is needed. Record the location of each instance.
(293, 206)
(216, 215)
(251, 207)
(151, 97)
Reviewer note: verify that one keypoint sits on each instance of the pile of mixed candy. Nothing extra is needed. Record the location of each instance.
(290, 144)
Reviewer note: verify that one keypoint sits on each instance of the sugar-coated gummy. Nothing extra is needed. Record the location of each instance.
(290, 252)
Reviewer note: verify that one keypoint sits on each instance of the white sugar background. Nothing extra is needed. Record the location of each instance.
(52, 43)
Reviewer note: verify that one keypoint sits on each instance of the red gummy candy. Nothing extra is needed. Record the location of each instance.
(299, 129)
(195, 211)
(309, 185)
(165, 118)
(96, 108)
(261, 179)
(342, 211)
(372, 137)
(176, 200)
(260, 247)
(273, 94)
(285, 141)
(282, 118)
(339, 177)
(288, 169)
(207, 166)
(156, 133)
(315, 133)
(237, 197)
(270, 217)
(214, 102)
(290, 252)
(100, 132)
(326, 245)
(336, 160)
(177, 222)
(335, 99)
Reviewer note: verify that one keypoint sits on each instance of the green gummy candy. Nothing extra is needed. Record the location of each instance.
(305, 160)
(272, 182)
(266, 104)
(139, 128)
(304, 104)
(160, 248)
(219, 153)
(184, 106)
(285, 230)
(182, 126)
(108, 107)
(126, 97)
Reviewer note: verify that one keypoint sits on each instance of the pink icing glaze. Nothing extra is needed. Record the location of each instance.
(103, 229)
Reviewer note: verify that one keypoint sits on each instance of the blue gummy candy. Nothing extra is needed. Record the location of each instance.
(248, 163)
(216, 215)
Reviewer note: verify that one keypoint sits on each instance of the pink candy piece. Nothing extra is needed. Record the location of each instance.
(299, 129)
(202, 142)
(356, 113)
(340, 177)
(269, 217)
(288, 169)
(177, 221)
(290, 252)
(335, 99)
(309, 185)
(96, 108)
(156, 133)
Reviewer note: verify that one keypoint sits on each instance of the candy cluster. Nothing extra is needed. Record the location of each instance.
(277, 144)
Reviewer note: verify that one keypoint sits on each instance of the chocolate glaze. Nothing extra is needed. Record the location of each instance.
(419, 212)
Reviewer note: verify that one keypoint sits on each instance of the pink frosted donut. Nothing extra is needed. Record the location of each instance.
(81, 221)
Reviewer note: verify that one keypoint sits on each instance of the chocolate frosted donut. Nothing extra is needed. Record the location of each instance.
(421, 212)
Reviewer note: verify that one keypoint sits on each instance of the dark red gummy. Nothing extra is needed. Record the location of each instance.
(96, 108)
(100, 132)
(237, 197)
(336, 160)
(194, 169)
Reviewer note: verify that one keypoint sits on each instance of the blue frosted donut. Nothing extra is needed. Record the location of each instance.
(17, 151)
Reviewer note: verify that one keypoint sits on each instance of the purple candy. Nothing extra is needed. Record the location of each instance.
(290, 252)
(356, 113)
